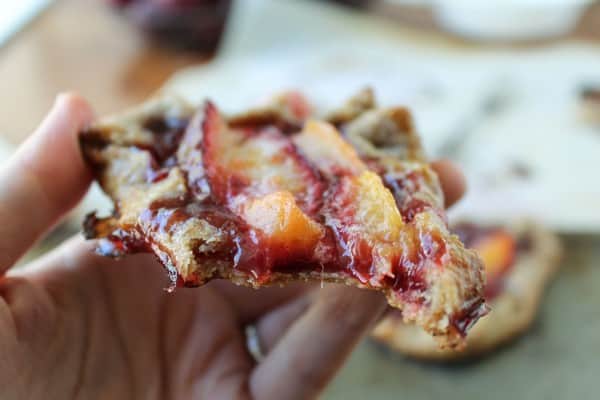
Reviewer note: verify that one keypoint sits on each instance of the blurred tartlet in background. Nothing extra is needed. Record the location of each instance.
(520, 260)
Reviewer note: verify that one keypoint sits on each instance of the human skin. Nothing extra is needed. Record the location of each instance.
(76, 325)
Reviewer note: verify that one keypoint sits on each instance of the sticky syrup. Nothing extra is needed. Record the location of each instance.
(247, 249)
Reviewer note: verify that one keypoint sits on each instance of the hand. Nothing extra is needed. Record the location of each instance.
(75, 325)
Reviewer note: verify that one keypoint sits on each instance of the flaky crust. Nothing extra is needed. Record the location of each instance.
(383, 137)
(512, 312)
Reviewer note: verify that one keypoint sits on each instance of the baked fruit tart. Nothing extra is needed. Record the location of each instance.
(279, 194)
(520, 260)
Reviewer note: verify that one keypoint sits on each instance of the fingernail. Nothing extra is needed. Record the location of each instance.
(75, 105)
(63, 97)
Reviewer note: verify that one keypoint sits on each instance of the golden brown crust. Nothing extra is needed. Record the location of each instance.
(358, 104)
(161, 198)
(512, 311)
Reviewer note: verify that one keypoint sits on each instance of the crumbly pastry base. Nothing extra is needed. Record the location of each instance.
(117, 149)
(512, 311)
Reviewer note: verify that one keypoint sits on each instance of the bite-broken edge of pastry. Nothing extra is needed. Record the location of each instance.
(277, 194)
(520, 259)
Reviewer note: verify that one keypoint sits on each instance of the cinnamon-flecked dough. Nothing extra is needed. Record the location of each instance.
(514, 295)
(280, 194)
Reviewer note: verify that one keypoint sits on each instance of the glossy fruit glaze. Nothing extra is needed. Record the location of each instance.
(288, 199)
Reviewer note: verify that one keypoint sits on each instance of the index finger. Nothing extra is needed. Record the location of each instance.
(43, 179)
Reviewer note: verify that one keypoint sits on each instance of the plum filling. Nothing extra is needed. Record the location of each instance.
(273, 197)
(167, 134)
(464, 320)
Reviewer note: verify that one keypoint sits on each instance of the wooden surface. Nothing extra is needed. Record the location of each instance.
(85, 46)
(79, 45)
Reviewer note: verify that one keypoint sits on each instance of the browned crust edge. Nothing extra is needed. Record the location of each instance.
(463, 263)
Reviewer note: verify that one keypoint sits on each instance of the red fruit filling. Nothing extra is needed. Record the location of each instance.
(286, 200)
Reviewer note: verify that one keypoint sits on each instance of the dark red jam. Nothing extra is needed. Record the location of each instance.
(215, 191)
(193, 25)
(338, 250)
(464, 320)
(167, 136)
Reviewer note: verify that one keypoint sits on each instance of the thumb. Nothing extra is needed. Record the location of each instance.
(44, 179)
